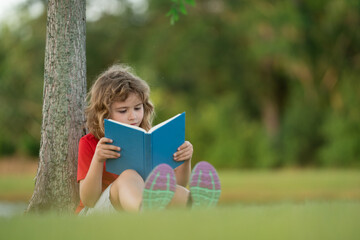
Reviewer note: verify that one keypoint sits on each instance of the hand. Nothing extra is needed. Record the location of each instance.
(104, 151)
(185, 152)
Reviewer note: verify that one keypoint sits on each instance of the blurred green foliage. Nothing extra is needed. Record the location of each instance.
(264, 84)
(178, 7)
(282, 221)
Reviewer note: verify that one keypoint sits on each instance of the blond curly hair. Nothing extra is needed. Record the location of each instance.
(115, 84)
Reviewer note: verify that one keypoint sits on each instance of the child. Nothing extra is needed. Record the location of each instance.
(120, 95)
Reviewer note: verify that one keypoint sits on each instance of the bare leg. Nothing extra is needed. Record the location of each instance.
(180, 197)
(126, 191)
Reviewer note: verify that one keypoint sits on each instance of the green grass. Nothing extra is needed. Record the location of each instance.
(243, 186)
(286, 204)
(16, 187)
(293, 185)
(311, 220)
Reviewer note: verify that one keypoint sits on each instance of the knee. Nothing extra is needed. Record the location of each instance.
(121, 183)
(126, 179)
(128, 174)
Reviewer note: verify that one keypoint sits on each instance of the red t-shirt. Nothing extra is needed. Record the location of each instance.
(87, 146)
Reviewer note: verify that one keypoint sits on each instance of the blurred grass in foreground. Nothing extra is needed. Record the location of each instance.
(255, 186)
(312, 220)
(259, 204)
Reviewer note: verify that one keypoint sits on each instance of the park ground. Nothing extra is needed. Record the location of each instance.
(255, 204)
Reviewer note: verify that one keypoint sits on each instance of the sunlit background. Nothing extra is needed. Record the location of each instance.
(265, 84)
(271, 94)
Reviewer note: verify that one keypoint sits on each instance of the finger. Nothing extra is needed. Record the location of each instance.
(110, 147)
(186, 154)
(180, 153)
(111, 154)
(183, 154)
(185, 145)
(184, 157)
(105, 140)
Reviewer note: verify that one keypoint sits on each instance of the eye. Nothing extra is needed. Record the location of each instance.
(137, 108)
(122, 111)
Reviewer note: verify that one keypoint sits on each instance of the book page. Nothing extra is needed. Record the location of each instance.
(128, 125)
(162, 124)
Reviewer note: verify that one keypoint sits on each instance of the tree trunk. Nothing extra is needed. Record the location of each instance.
(270, 117)
(56, 188)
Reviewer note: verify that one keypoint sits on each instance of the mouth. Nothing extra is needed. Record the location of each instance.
(134, 124)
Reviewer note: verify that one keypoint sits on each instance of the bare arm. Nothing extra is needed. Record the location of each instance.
(90, 186)
(182, 172)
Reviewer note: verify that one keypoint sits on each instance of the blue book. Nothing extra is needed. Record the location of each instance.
(141, 150)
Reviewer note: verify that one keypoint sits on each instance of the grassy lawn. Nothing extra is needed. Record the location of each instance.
(289, 185)
(284, 204)
(258, 186)
(312, 220)
(16, 187)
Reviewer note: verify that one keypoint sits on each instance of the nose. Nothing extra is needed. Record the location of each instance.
(132, 115)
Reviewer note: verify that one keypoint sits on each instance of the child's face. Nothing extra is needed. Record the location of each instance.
(130, 111)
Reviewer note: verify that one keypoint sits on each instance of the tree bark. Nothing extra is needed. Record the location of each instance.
(56, 188)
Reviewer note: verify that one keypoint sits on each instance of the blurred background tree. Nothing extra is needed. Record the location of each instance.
(265, 84)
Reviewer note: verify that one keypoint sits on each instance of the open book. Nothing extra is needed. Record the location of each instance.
(142, 151)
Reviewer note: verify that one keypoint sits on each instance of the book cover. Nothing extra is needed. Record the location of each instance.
(141, 150)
